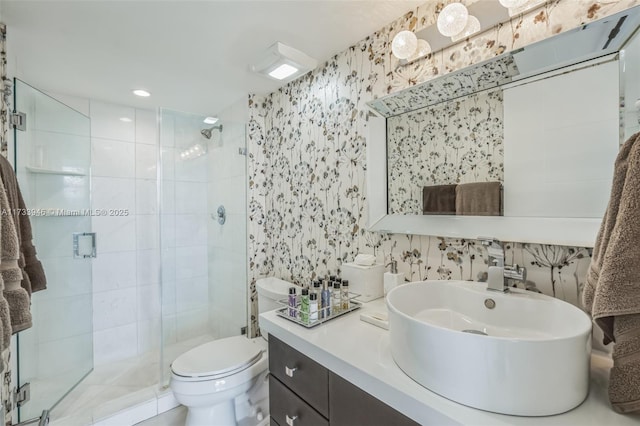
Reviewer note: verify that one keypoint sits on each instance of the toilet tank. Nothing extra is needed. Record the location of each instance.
(270, 290)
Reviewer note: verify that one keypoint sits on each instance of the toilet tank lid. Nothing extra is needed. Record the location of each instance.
(273, 288)
(221, 357)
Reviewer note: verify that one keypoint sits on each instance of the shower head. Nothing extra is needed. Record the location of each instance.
(208, 132)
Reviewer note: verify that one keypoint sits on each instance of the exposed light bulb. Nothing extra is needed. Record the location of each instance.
(424, 48)
(472, 27)
(513, 3)
(452, 19)
(404, 44)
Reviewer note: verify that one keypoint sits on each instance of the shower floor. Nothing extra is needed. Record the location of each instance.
(114, 387)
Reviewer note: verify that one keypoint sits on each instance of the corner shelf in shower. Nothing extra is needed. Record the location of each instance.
(40, 170)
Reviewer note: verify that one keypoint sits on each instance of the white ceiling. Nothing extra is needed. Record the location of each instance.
(192, 55)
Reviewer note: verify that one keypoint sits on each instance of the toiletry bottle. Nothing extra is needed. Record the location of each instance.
(317, 289)
(313, 307)
(344, 295)
(393, 278)
(292, 302)
(325, 300)
(304, 306)
(336, 302)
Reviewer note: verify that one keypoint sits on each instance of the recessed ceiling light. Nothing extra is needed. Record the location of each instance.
(283, 71)
(126, 119)
(210, 120)
(141, 92)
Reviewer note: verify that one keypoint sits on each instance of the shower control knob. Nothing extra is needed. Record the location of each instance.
(259, 416)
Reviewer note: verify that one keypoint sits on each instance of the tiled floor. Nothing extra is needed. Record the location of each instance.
(175, 417)
(114, 387)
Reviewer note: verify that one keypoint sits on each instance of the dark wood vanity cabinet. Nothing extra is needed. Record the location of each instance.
(303, 392)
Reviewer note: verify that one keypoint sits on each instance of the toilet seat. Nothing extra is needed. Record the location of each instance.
(217, 359)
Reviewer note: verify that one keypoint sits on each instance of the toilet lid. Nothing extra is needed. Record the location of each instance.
(218, 358)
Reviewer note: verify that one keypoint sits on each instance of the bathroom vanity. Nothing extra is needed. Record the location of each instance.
(304, 392)
(345, 367)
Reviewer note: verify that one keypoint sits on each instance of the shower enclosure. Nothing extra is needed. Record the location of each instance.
(203, 220)
(201, 253)
(52, 154)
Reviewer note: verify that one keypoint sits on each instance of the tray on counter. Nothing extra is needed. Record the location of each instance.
(284, 312)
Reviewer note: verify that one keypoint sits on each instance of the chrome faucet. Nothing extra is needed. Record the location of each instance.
(499, 274)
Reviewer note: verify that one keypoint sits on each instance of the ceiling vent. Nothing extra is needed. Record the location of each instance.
(283, 63)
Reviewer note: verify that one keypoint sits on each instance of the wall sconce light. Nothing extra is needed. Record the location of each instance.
(283, 63)
(473, 26)
(456, 22)
(452, 19)
(404, 44)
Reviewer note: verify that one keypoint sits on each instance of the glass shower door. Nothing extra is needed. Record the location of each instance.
(52, 160)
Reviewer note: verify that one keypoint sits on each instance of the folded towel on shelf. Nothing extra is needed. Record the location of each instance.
(612, 289)
(439, 199)
(479, 199)
(33, 277)
(16, 296)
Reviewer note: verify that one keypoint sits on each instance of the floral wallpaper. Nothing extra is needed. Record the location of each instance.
(448, 143)
(307, 162)
(5, 89)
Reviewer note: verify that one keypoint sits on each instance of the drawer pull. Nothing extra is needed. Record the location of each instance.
(290, 419)
(289, 372)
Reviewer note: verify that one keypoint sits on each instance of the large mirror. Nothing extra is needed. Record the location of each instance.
(520, 147)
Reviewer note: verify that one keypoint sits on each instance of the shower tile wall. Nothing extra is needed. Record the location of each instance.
(204, 263)
(227, 243)
(185, 287)
(126, 295)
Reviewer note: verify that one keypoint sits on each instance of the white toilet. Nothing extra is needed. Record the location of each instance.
(224, 382)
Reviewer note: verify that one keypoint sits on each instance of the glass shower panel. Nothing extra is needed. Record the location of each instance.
(203, 262)
(52, 158)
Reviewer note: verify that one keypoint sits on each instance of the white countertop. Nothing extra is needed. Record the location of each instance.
(359, 352)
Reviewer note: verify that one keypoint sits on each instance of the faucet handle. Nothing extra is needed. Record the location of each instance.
(495, 250)
(516, 272)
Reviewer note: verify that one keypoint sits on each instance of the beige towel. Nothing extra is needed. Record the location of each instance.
(439, 199)
(16, 296)
(33, 278)
(624, 380)
(479, 199)
(612, 290)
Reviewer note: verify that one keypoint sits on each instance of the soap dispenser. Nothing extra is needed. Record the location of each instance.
(393, 278)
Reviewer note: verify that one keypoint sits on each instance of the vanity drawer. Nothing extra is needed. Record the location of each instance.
(286, 408)
(351, 406)
(308, 379)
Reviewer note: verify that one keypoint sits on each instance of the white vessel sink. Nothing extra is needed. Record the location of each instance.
(533, 360)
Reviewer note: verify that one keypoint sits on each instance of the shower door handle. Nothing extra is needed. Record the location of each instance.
(84, 245)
